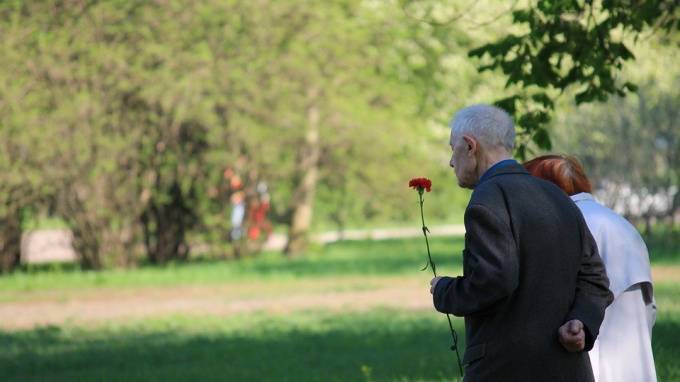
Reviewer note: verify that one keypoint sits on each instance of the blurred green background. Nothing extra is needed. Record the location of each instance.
(129, 130)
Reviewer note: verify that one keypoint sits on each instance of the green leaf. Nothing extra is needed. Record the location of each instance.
(544, 100)
(508, 104)
(630, 86)
(542, 138)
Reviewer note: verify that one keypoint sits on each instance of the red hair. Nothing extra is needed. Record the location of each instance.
(565, 171)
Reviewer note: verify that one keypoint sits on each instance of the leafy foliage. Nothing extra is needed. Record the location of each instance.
(121, 117)
(569, 44)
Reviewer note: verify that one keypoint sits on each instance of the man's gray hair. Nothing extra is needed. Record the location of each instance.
(489, 124)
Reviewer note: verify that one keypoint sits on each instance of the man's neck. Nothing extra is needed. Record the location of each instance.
(489, 159)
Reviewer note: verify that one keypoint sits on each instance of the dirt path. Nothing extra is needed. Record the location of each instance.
(90, 307)
(350, 293)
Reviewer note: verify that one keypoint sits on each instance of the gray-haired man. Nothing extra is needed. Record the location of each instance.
(533, 290)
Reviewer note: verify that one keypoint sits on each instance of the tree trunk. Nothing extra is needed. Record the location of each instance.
(165, 228)
(339, 216)
(87, 234)
(10, 241)
(648, 225)
(86, 243)
(308, 168)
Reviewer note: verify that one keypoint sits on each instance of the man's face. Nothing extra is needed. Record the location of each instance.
(463, 161)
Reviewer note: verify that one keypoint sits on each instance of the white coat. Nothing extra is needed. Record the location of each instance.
(623, 350)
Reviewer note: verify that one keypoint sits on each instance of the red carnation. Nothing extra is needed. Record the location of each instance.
(421, 184)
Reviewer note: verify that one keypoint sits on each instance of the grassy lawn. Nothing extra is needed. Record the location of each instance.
(377, 344)
(365, 258)
(305, 346)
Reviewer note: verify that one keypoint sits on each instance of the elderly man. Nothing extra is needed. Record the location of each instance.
(533, 290)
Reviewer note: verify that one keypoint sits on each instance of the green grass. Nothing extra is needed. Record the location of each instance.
(306, 346)
(312, 345)
(372, 258)
(42, 222)
(666, 334)
(381, 345)
(664, 244)
(361, 257)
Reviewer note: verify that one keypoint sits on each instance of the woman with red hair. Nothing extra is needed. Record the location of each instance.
(623, 350)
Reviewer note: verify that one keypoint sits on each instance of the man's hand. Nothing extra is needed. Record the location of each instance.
(572, 336)
(433, 283)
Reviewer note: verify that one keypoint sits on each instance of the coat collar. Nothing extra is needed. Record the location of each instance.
(509, 168)
(582, 196)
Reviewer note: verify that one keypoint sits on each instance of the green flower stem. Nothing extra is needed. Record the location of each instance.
(454, 335)
(425, 231)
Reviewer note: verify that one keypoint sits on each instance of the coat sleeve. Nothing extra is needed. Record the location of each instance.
(491, 269)
(592, 290)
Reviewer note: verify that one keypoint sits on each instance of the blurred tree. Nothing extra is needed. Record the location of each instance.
(79, 78)
(629, 146)
(125, 115)
(554, 46)
(564, 44)
(337, 100)
(22, 104)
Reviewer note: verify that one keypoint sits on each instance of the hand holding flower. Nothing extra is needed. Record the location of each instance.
(423, 185)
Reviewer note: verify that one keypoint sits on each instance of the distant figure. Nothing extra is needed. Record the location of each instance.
(238, 212)
(623, 351)
(534, 289)
(238, 204)
(258, 214)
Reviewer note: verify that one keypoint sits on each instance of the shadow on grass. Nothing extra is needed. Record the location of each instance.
(666, 347)
(348, 348)
(379, 346)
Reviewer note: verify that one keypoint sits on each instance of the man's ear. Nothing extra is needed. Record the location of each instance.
(472, 145)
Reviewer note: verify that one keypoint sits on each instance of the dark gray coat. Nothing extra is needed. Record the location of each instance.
(529, 265)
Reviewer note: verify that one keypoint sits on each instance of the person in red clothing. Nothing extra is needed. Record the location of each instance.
(257, 215)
